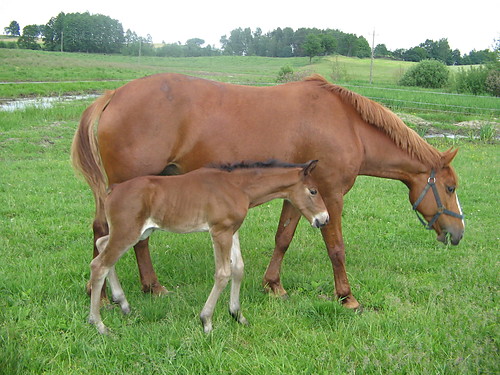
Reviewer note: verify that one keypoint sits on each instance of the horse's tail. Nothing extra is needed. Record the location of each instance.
(85, 155)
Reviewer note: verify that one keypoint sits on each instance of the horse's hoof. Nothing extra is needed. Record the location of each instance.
(156, 290)
(350, 302)
(275, 289)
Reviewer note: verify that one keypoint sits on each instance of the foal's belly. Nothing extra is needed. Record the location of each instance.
(151, 225)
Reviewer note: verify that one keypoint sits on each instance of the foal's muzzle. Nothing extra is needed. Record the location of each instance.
(320, 220)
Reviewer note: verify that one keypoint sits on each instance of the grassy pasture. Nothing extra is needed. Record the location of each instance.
(428, 308)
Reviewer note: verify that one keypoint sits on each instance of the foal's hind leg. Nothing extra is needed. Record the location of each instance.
(100, 229)
(237, 267)
(114, 283)
(109, 253)
(222, 250)
(289, 219)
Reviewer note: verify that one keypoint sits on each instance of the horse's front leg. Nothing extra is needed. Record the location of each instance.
(149, 280)
(332, 235)
(289, 219)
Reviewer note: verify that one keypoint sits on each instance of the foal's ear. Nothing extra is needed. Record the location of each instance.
(309, 167)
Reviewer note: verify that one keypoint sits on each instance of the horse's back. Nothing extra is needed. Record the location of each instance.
(175, 119)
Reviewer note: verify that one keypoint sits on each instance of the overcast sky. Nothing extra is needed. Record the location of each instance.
(398, 24)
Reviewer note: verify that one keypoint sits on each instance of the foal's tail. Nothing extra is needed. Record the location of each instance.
(85, 155)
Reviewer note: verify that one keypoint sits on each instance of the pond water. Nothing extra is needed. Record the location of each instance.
(12, 105)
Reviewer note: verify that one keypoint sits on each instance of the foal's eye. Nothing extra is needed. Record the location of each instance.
(451, 189)
(313, 191)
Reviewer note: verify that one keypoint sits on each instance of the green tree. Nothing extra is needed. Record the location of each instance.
(347, 44)
(362, 48)
(329, 43)
(29, 39)
(312, 46)
(193, 47)
(83, 32)
(170, 50)
(439, 50)
(381, 51)
(416, 54)
(13, 29)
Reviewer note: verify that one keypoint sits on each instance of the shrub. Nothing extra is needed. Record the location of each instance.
(472, 80)
(286, 74)
(428, 74)
(493, 82)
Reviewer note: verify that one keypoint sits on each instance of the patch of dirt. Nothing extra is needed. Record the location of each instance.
(461, 127)
(476, 124)
(414, 119)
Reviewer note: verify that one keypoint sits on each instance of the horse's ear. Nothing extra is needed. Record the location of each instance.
(448, 156)
(310, 167)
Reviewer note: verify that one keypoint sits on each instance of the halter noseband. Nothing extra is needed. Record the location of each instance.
(431, 183)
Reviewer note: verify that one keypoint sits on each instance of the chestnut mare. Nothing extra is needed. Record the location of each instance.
(206, 199)
(171, 123)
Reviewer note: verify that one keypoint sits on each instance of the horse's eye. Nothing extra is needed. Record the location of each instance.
(313, 191)
(451, 189)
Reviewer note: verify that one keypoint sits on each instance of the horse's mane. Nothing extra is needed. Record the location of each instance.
(272, 163)
(379, 116)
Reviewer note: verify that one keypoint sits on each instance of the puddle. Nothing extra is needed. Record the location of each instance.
(8, 105)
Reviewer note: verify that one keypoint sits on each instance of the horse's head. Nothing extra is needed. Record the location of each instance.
(305, 196)
(433, 194)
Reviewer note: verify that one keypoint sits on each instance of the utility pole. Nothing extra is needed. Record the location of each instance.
(62, 40)
(373, 53)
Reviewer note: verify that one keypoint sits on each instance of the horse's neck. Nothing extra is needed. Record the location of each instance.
(383, 158)
(264, 185)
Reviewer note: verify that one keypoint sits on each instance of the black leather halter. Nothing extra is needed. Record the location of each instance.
(431, 183)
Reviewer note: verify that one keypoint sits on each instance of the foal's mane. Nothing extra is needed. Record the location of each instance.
(272, 163)
(379, 116)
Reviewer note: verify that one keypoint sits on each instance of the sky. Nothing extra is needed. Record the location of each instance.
(467, 25)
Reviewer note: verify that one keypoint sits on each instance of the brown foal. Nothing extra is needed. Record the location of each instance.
(208, 199)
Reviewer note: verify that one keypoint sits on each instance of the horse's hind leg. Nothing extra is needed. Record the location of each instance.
(149, 280)
(289, 219)
(237, 270)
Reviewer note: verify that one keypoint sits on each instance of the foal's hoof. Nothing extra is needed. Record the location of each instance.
(238, 316)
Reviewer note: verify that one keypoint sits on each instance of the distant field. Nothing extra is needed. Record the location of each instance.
(38, 73)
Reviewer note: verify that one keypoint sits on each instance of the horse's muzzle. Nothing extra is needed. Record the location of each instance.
(453, 238)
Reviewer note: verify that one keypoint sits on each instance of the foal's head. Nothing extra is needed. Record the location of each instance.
(305, 196)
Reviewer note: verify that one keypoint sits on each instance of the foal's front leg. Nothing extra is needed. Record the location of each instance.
(237, 270)
(222, 242)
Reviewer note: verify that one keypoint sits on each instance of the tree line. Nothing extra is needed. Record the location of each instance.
(96, 33)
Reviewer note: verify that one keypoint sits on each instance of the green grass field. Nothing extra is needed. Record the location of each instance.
(428, 308)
